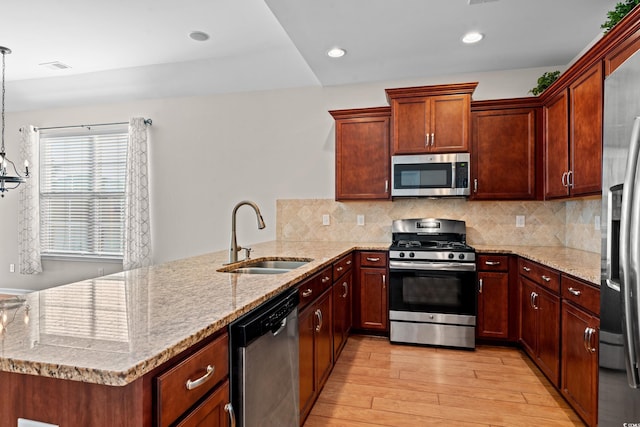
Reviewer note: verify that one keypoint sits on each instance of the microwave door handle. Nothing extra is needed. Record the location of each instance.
(629, 326)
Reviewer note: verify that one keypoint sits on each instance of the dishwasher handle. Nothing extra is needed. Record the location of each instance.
(283, 324)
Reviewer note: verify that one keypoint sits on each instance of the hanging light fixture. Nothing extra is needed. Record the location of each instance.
(5, 176)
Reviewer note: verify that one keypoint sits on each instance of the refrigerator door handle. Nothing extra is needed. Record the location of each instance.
(628, 260)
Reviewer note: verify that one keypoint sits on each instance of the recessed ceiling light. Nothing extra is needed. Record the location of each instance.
(472, 37)
(336, 52)
(55, 65)
(199, 36)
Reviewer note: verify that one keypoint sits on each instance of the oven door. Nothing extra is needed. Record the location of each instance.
(434, 291)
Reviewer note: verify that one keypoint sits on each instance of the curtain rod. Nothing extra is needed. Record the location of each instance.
(148, 122)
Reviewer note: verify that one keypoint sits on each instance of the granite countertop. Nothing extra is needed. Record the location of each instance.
(114, 329)
(581, 264)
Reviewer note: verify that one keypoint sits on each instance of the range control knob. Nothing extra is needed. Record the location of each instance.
(401, 254)
(461, 256)
(450, 256)
(412, 254)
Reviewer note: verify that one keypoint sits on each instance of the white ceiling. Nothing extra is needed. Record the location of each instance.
(122, 50)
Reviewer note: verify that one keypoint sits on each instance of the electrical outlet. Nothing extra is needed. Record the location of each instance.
(596, 224)
(12, 268)
(325, 219)
(360, 219)
(519, 221)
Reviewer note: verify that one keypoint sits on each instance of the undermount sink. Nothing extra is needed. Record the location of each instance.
(266, 266)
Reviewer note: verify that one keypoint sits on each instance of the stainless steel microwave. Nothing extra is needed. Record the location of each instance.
(430, 175)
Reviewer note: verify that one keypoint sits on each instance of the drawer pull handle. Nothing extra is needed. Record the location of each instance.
(228, 408)
(370, 259)
(384, 281)
(307, 293)
(325, 279)
(492, 262)
(546, 278)
(480, 286)
(349, 262)
(339, 269)
(346, 289)
(575, 292)
(197, 383)
(527, 269)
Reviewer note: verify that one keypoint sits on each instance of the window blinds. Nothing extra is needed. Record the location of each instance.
(82, 193)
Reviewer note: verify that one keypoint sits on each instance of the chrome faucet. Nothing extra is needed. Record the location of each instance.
(233, 251)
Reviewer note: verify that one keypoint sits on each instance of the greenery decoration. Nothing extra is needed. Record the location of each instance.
(545, 80)
(620, 11)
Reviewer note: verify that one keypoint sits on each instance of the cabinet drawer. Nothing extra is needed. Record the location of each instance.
(173, 395)
(373, 259)
(311, 289)
(581, 294)
(493, 262)
(540, 274)
(342, 266)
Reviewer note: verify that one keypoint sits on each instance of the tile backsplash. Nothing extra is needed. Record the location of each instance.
(564, 223)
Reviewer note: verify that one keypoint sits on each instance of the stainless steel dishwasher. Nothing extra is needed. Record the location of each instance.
(264, 364)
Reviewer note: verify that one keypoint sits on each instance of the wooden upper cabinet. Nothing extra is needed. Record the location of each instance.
(586, 110)
(573, 137)
(431, 119)
(362, 153)
(504, 150)
(556, 153)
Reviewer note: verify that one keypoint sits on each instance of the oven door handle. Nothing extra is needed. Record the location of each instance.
(431, 266)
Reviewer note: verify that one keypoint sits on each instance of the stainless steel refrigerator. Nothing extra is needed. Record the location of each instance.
(619, 373)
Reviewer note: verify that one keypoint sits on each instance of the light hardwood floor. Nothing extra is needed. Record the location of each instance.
(375, 383)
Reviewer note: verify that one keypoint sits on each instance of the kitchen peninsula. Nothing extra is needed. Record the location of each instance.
(138, 323)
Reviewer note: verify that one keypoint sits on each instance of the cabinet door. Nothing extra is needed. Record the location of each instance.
(373, 299)
(323, 338)
(493, 305)
(341, 313)
(306, 327)
(411, 123)
(548, 313)
(449, 123)
(528, 317)
(362, 158)
(556, 148)
(504, 157)
(211, 412)
(580, 361)
(586, 97)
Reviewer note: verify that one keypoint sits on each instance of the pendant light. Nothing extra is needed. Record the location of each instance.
(5, 176)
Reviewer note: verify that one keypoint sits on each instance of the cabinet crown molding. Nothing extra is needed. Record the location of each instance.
(447, 89)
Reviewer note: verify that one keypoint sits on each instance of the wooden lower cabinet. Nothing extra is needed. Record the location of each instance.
(342, 318)
(540, 327)
(579, 364)
(316, 350)
(493, 305)
(372, 305)
(212, 412)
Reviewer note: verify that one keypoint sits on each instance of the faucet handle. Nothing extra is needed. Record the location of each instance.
(247, 252)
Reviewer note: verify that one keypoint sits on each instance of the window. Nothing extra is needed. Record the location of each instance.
(82, 193)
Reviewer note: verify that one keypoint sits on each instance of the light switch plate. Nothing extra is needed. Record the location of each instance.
(22, 422)
(360, 219)
(519, 221)
(325, 219)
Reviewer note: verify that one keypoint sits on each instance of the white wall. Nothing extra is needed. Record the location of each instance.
(208, 153)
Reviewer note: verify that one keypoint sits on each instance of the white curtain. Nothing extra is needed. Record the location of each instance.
(137, 227)
(29, 221)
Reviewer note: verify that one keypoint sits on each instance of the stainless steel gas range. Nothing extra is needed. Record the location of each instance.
(432, 283)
